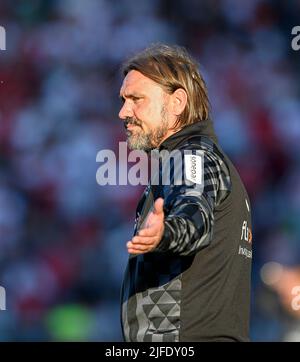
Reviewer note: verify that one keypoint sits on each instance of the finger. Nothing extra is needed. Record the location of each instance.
(147, 240)
(131, 245)
(158, 206)
(134, 251)
(138, 247)
(141, 247)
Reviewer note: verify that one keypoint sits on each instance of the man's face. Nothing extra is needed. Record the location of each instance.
(145, 111)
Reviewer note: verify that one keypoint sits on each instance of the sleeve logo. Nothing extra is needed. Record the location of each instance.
(193, 168)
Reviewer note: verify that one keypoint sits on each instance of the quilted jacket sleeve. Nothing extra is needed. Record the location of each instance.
(189, 206)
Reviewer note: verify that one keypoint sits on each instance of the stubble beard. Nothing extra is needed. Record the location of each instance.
(140, 140)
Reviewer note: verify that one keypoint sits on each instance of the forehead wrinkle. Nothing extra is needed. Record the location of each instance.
(138, 82)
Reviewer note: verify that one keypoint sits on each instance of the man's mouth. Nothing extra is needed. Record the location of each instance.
(131, 123)
(131, 126)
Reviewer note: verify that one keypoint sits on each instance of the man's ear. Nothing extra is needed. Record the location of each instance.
(179, 101)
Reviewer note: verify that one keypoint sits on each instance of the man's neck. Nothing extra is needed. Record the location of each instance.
(169, 134)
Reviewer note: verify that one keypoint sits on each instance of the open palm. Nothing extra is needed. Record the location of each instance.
(149, 237)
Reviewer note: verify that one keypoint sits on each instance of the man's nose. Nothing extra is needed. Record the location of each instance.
(125, 111)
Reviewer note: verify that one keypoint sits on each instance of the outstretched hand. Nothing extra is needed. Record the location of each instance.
(149, 237)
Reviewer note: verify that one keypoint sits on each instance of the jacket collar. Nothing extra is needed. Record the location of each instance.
(199, 128)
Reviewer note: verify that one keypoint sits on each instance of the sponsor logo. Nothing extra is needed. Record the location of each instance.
(246, 235)
(245, 252)
(193, 168)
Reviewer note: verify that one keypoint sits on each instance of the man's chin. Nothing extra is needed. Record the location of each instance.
(134, 147)
(134, 144)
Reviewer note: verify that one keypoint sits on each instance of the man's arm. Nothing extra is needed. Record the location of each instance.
(187, 223)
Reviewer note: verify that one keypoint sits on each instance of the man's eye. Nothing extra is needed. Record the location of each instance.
(135, 99)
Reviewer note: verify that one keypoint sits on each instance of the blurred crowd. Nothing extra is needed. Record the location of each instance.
(62, 236)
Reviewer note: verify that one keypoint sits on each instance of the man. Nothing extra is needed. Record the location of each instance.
(188, 274)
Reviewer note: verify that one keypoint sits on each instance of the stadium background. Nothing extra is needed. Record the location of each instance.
(62, 236)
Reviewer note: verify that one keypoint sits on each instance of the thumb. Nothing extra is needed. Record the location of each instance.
(158, 206)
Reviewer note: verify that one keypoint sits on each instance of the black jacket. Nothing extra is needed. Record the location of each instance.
(195, 286)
